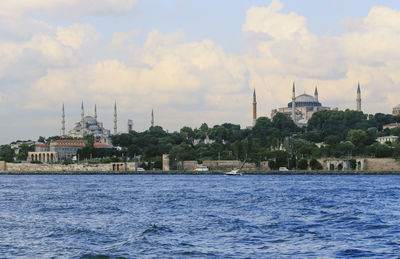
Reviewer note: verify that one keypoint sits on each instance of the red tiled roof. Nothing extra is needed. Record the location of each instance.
(71, 141)
(42, 145)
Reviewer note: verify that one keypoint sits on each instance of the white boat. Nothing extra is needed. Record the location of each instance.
(233, 172)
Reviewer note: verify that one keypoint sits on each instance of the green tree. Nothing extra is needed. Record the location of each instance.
(315, 165)
(6, 153)
(302, 164)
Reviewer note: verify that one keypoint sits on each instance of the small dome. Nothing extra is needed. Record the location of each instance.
(397, 107)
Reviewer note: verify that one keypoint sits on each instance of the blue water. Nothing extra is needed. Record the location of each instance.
(181, 216)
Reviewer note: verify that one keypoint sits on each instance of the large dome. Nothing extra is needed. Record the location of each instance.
(90, 120)
(305, 100)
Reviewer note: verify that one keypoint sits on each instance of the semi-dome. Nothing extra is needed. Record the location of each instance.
(305, 100)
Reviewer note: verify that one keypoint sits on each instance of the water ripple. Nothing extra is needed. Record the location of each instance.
(187, 216)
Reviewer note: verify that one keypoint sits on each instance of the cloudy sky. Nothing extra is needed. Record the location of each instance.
(193, 61)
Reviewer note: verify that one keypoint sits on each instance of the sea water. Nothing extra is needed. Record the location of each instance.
(189, 216)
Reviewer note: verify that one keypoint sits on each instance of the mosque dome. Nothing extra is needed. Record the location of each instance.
(397, 107)
(90, 120)
(305, 100)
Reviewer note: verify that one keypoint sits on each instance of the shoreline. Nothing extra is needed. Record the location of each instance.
(199, 173)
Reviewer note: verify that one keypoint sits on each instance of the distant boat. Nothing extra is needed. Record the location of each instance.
(236, 171)
(233, 172)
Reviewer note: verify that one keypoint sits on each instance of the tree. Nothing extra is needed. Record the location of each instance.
(6, 153)
(315, 165)
(302, 164)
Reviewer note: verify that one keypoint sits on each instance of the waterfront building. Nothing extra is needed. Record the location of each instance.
(302, 107)
(385, 139)
(67, 148)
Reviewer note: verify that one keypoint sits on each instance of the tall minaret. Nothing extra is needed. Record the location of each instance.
(316, 93)
(152, 118)
(254, 108)
(294, 103)
(82, 117)
(358, 98)
(95, 112)
(115, 118)
(63, 121)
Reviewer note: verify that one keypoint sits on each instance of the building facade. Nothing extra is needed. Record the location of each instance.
(67, 148)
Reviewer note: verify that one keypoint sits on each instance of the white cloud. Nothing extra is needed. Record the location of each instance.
(67, 8)
(288, 51)
(193, 82)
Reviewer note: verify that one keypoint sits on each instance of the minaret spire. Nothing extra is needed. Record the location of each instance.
(115, 118)
(95, 112)
(294, 103)
(63, 121)
(82, 117)
(358, 98)
(316, 93)
(254, 108)
(152, 118)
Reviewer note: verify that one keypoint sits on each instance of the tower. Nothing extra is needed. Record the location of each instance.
(115, 118)
(316, 94)
(254, 108)
(95, 112)
(152, 118)
(130, 125)
(358, 98)
(63, 121)
(294, 103)
(82, 118)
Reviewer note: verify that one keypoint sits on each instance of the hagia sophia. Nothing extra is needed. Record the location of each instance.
(302, 107)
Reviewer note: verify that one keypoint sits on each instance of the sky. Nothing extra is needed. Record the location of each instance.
(192, 61)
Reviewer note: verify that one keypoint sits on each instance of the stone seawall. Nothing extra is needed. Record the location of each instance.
(225, 165)
(26, 167)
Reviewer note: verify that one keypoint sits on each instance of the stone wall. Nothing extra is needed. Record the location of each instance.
(3, 166)
(216, 165)
(27, 167)
(382, 164)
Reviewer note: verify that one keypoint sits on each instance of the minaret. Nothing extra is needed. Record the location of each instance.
(95, 112)
(254, 108)
(294, 103)
(358, 98)
(115, 118)
(316, 93)
(82, 118)
(152, 118)
(63, 122)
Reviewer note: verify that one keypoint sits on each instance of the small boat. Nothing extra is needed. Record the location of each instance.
(233, 172)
